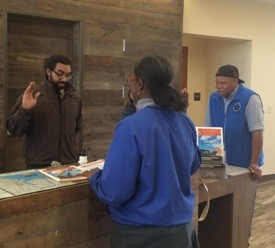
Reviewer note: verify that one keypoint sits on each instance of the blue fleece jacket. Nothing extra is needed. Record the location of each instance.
(146, 175)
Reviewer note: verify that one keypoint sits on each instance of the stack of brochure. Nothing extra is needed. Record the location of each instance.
(210, 142)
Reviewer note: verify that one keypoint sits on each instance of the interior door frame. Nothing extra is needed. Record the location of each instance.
(76, 61)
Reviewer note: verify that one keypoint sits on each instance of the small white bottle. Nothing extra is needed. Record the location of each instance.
(83, 159)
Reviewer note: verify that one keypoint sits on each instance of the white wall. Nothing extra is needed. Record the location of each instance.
(242, 33)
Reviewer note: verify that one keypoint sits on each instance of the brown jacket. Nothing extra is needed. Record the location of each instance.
(50, 128)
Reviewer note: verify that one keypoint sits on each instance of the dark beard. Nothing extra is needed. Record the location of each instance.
(56, 84)
(60, 87)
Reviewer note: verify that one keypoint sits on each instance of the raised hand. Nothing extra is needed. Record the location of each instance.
(29, 100)
(185, 93)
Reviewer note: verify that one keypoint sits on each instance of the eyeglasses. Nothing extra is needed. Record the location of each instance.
(131, 79)
(221, 84)
(63, 75)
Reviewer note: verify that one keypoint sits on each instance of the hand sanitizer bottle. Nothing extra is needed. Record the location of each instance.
(83, 159)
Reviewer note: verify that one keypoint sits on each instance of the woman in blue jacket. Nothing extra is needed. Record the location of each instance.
(146, 179)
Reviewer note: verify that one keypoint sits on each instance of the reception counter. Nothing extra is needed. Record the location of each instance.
(70, 215)
(67, 215)
(228, 223)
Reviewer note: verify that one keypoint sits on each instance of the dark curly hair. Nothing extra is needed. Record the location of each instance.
(50, 62)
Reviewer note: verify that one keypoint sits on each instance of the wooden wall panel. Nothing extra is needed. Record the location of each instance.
(102, 112)
(102, 38)
(2, 92)
(38, 44)
(102, 72)
(157, 42)
(21, 69)
(35, 26)
(148, 27)
(165, 7)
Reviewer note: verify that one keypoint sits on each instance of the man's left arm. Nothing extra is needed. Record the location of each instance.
(255, 119)
(256, 148)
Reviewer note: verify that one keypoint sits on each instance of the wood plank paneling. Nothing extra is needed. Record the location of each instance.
(40, 45)
(102, 112)
(63, 217)
(165, 7)
(23, 68)
(103, 38)
(40, 28)
(103, 13)
(103, 73)
(35, 26)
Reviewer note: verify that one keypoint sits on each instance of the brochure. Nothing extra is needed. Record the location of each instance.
(72, 172)
(210, 142)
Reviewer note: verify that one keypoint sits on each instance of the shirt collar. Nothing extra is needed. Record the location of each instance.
(231, 95)
(142, 103)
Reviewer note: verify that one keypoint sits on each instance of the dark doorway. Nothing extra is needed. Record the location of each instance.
(29, 40)
(184, 68)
